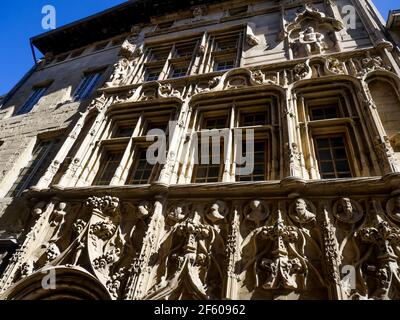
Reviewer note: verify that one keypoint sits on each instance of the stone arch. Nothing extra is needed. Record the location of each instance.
(70, 284)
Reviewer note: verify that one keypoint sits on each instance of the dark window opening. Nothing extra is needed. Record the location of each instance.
(260, 163)
(87, 85)
(324, 112)
(33, 99)
(332, 157)
(107, 168)
(142, 170)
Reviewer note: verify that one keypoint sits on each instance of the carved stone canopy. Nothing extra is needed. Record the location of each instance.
(311, 32)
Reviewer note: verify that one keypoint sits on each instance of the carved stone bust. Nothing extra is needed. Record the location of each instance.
(217, 211)
(347, 211)
(256, 211)
(177, 212)
(302, 211)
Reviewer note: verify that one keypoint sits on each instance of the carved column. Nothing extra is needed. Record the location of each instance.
(174, 145)
(289, 135)
(233, 254)
(137, 285)
(331, 255)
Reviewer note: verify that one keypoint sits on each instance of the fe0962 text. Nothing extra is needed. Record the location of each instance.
(209, 309)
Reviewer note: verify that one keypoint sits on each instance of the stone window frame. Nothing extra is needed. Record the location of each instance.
(214, 55)
(35, 166)
(169, 58)
(31, 102)
(350, 124)
(129, 145)
(232, 109)
(91, 87)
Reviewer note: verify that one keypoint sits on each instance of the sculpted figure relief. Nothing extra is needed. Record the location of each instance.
(256, 211)
(312, 41)
(347, 211)
(302, 211)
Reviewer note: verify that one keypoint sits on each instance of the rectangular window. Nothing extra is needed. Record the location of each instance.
(227, 45)
(215, 123)
(124, 132)
(30, 174)
(324, 112)
(124, 129)
(184, 51)
(332, 157)
(260, 163)
(224, 65)
(108, 167)
(163, 125)
(254, 119)
(179, 72)
(141, 173)
(152, 75)
(206, 171)
(33, 99)
(87, 85)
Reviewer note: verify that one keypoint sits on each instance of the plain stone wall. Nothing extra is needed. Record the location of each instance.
(54, 112)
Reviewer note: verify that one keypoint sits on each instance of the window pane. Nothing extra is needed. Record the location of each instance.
(87, 86)
(324, 112)
(107, 168)
(224, 65)
(152, 75)
(29, 175)
(260, 167)
(179, 72)
(254, 119)
(33, 99)
(332, 157)
(141, 172)
(215, 123)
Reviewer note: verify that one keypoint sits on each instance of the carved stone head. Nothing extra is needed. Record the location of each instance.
(217, 211)
(52, 251)
(177, 212)
(144, 208)
(302, 211)
(27, 269)
(347, 211)
(256, 211)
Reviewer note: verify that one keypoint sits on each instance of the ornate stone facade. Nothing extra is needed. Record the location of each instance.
(319, 217)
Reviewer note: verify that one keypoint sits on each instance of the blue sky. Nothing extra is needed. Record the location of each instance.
(21, 19)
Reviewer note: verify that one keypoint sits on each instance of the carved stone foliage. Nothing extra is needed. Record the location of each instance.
(124, 67)
(312, 33)
(101, 236)
(368, 249)
(190, 261)
(237, 79)
(283, 248)
(279, 257)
